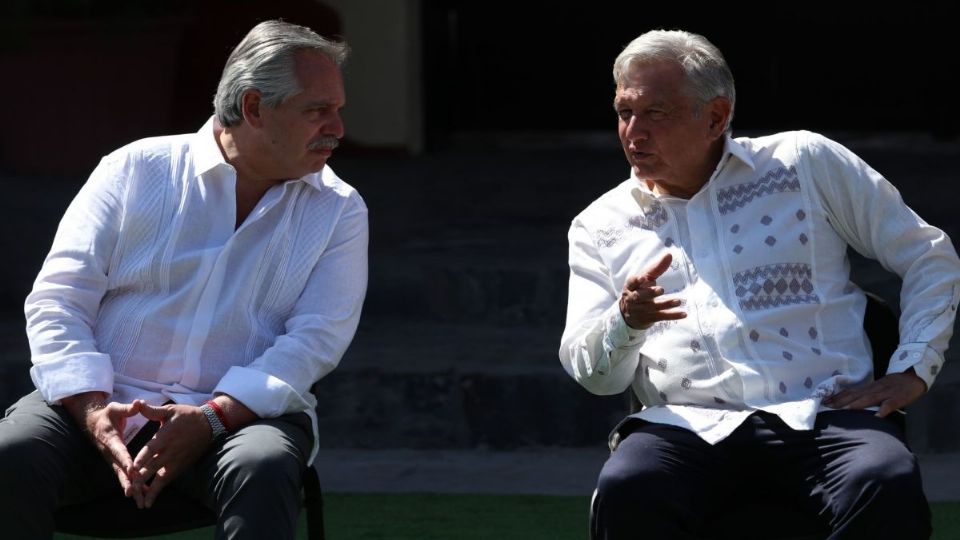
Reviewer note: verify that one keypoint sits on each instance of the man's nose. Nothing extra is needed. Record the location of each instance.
(336, 127)
(636, 131)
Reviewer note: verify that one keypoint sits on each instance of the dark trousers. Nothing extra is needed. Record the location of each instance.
(853, 470)
(251, 479)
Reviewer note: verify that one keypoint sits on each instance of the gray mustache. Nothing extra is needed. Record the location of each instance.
(324, 143)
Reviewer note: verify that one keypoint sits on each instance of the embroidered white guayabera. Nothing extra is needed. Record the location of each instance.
(760, 263)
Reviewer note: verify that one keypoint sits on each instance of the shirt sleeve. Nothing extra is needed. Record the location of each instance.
(598, 349)
(62, 308)
(318, 330)
(868, 212)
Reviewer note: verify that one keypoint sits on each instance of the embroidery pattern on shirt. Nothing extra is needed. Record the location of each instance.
(658, 328)
(608, 237)
(775, 285)
(775, 181)
(654, 216)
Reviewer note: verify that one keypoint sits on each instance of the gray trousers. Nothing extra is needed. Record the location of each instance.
(251, 479)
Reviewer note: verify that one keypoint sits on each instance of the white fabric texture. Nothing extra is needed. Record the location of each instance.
(150, 291)
(760, 263)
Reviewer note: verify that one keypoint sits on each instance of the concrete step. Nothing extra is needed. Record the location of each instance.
(441, 385)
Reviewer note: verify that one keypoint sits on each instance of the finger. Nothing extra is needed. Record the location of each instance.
(117, 452)
(652, 272)
(137, 406)
(157, 414)
(664, 304)
(643, 294)
(850, 395)
(122, 478)
(867, 400)
(124, 409)
(843, 399)
(886, 407)
(147, 470)
(648, 276)
(832, 401)
(644, 320)
(131, 488)
(153, 490)
(668, 315)
(635, 282)
(146, 461)
(650, 309)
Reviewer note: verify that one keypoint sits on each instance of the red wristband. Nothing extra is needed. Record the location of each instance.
(219, 410)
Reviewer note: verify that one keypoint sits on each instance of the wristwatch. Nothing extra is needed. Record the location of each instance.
(219, 430)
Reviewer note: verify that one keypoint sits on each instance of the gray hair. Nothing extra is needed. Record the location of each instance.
(706, 70)
(264, 61)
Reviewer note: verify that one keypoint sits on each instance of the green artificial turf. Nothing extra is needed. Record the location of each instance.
(475, 517)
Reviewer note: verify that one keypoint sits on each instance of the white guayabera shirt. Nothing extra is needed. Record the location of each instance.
(149, 292)
(760, 262)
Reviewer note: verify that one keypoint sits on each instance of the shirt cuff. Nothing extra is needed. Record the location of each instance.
(618, 333)
(71, 375)
(262, 393)
(925, 361)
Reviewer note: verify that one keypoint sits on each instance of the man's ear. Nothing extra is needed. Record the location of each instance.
(719, 111)
(250, 106)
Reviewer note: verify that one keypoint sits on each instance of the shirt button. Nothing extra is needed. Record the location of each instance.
(713, 302)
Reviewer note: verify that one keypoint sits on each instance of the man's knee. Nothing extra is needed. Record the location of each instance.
(884, 480)
(258, 480)
(638, 482)
(263, 458)
(623, 485)
(30, 460)
(32, 478)
(888, 470)
(17, 463)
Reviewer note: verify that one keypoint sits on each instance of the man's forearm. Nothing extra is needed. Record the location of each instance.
(80, 405)
(236, 413)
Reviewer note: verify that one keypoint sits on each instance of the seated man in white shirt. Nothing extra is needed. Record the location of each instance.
(714, 283)
(202, 282)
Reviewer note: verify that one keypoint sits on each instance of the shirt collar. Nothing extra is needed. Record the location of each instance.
(731, 148)
(206, 152)
(208, 156)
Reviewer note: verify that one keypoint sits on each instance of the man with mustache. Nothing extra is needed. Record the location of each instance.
(714, 283)
(197, 287)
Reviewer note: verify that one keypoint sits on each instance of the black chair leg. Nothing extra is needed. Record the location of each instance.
(313, 506)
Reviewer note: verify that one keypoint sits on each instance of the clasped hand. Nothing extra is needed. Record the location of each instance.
(183, 436)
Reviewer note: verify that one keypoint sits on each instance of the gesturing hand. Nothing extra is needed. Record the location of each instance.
(638, 301)
(890, 392)
(104, 424)
(183, 437)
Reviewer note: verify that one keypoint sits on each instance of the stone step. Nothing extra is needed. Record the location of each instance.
(415, 384)
(429, 385)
